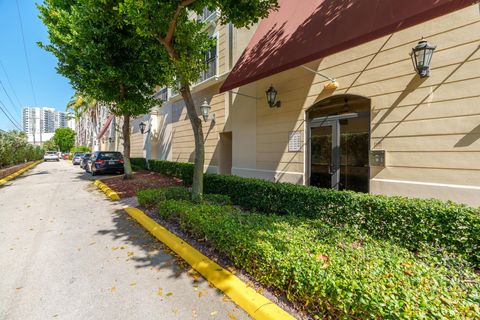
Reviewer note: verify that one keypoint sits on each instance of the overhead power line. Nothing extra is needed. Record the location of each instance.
(26, 55)
(10, 84)
(8, 117)
(10, 99)
(11, 117)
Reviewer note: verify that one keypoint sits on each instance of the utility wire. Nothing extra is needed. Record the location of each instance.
(1, 103)
(8, 96)
(26, 56)
(11, 115)
(10, 84)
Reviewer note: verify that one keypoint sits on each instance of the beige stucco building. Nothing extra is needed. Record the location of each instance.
(383, 130)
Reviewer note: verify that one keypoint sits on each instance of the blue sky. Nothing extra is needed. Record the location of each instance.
(51, 89)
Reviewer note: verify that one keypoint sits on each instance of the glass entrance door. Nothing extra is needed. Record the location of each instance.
(339, 148)
(354, 149)
(324, 156)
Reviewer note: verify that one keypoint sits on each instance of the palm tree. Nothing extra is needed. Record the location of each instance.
(80, 104)
(84, 105)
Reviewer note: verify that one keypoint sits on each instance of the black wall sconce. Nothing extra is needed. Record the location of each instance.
(421, 57)
(272, 97)
(142, 126)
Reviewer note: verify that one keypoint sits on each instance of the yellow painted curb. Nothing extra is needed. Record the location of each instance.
(19, 172)
(109, 192)
(256, 305)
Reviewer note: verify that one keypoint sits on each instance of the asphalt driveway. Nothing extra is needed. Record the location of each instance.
(68, 253)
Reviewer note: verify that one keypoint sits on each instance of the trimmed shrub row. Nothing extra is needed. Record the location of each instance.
(138, 163)
(149, 198)
(412, 223)
(181, 170)
(332, 272)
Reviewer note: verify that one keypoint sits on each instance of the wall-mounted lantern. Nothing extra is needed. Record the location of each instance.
(205, 111)
(272, 97)
(421, 57)
(142, 126)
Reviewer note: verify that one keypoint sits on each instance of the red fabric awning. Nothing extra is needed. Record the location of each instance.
(105, 127)
(303, 31)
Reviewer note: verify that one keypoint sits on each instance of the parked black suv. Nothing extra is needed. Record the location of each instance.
(105, 161)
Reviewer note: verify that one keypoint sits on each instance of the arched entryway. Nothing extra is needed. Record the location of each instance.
(339, 143)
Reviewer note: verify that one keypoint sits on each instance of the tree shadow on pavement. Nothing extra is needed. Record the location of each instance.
(155, 254)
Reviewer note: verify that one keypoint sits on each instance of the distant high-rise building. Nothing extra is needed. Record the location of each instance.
(40, 123)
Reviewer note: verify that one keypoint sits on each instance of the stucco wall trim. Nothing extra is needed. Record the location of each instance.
(466, 194)
(271, 175)
(430, 184)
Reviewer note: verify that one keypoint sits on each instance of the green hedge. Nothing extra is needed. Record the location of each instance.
(14, 149)
(181, 170)
(332, 272)
(138, 163)
(412, 223)
(150, 197)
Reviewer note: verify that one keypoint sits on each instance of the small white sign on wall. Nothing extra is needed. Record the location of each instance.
(294, 141)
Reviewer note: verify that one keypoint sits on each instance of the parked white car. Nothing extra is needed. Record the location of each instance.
(51, 156)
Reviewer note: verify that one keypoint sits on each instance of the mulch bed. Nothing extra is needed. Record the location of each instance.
(8, 171)
(141, 180)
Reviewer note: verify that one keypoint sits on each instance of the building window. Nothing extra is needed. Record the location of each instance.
(211, 62)
(163, 94)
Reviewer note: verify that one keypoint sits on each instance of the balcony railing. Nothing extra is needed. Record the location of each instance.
(162, 94)
(206, 14)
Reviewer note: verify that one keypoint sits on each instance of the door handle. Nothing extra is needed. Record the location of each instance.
(331, 169)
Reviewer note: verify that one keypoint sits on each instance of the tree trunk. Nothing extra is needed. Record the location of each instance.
(126, 147)
(197, 185)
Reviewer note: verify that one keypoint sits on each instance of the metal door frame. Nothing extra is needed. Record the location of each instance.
(334, 122)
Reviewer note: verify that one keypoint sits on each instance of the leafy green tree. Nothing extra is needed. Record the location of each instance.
(15, 149)
(168, 27)
(104, 58)
(64, 138)
(81, 149)
(50, 145)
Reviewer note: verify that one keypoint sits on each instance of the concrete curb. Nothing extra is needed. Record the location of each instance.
(109, 192)
(19, 172)
(255, 304)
